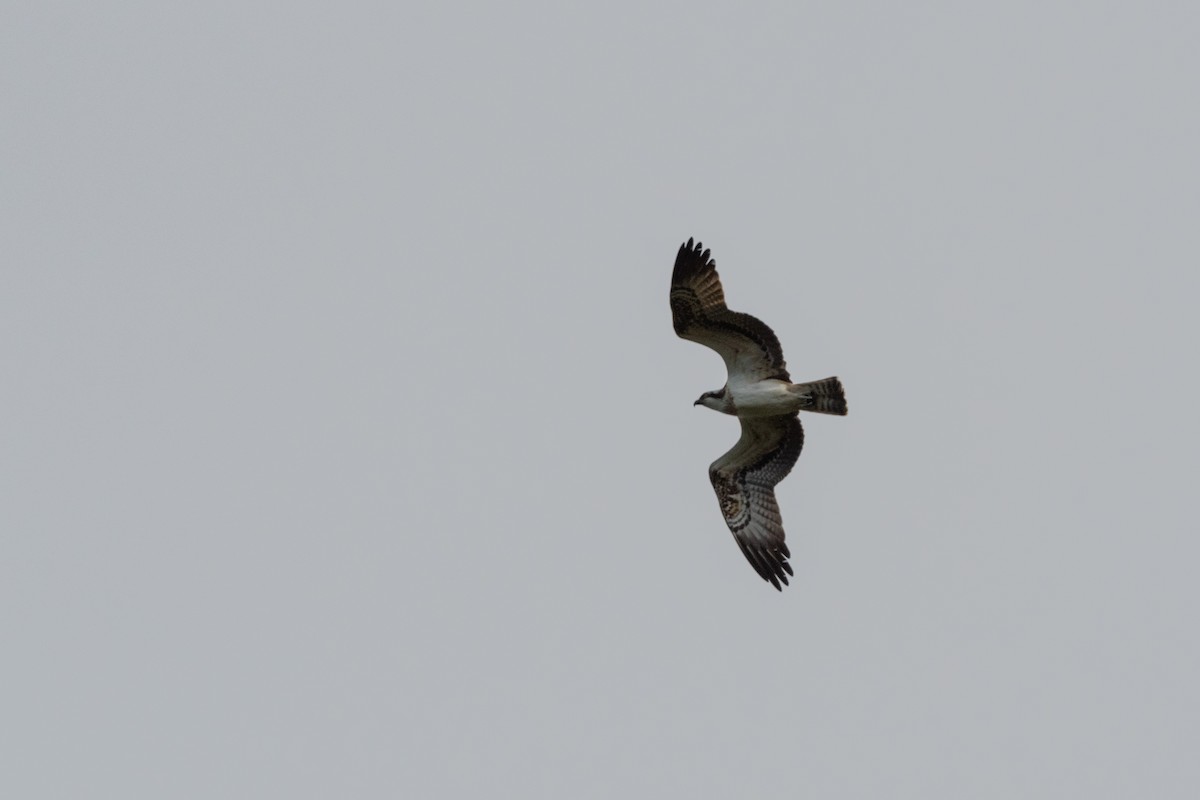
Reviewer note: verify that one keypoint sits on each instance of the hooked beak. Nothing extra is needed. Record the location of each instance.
(697, 402)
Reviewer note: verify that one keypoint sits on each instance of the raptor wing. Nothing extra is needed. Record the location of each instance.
(744, 480)
(750, 348)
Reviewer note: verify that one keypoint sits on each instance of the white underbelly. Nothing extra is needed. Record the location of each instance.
(763, 399)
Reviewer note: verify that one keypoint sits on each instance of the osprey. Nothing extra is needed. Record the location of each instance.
(760, 393)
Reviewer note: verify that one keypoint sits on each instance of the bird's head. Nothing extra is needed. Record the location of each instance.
(714, 400)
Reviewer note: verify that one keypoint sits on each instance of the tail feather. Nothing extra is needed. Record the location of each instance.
(826, 396)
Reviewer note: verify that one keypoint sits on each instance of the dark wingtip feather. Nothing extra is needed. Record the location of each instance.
(771, 565)
(782, 570)
(693, 254)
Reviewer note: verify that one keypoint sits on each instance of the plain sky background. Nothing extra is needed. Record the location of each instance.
(347, 449)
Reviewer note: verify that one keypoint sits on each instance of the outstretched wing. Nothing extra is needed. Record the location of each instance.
(750, 349)
(745, 478)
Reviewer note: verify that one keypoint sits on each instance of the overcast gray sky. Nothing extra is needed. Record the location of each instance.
(347, 449)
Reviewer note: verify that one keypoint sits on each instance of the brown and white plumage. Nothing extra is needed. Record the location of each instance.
(698, 309)
(744, 480)
(760, 393)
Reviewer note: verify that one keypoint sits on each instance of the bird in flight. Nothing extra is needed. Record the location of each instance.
(760, 393)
